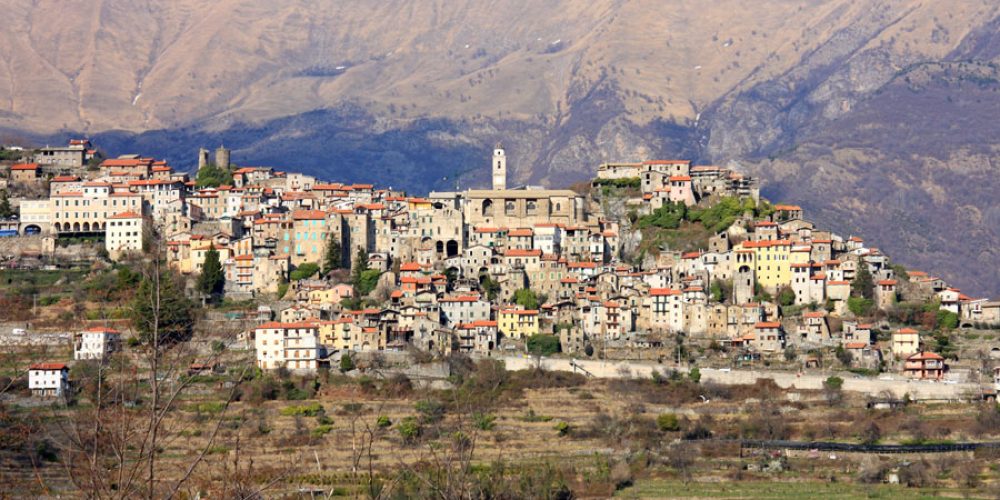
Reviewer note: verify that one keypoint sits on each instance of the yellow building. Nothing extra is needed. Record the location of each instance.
(773, 259)
(518, 323)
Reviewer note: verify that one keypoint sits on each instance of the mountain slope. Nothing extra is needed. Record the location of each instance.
(873, 114)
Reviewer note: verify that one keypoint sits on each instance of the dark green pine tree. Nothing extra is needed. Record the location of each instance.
(212, 278)
(863, 285)
(332, 258)
(5, 208)
(360, 265)
(159, 307)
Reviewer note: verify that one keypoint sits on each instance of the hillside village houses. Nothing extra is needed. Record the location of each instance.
(49, 380)
(452, 263)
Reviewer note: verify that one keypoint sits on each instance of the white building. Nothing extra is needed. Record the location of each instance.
(48, 379)
(463, 309)
(548, 238)
(96, 343)
(126, 232)
(294, 346)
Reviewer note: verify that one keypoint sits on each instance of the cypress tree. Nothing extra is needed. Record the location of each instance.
(161, 303)
(332, 258)
(863, 285)
(212, 278)
(5, 208)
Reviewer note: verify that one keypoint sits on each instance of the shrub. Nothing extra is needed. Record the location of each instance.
(946, 320)
(563, 428)
(322, 430)
(310, 410)
(346, 363)
(786, 296)
(668, 422)
(366, 282)
(304, 271)
(218, 346)
(383, 421)
(210, 407)
(430, 410)
(543, 345)
(860, 306)
(484, 422)
(409, 429)
(695, 375)
(526, 298)
(49, 300)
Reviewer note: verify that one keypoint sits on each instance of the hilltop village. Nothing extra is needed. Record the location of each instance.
(333, 269)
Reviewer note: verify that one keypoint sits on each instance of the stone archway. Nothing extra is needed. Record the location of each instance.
(451, 248)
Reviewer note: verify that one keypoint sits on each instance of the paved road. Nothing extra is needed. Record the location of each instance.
(894, 384)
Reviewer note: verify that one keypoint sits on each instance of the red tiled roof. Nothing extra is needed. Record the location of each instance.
(787, 208)
(25, 166)
(514, 252)
(102, 329)
(126, 215)
(276, 325)
(520, 312)
(308, 214)
(48, 366)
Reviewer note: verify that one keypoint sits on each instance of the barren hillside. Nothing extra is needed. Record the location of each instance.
(877, 116)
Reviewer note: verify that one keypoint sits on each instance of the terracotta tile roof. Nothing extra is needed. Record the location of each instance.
(275, 325)
(308, 215)
(48, 366)
(520, 312)
(768, 324)
(102, 329)
(126, 215)
(787, 208)
(522, 253)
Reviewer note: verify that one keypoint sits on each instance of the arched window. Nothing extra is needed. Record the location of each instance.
(509, 207)
(487, 208)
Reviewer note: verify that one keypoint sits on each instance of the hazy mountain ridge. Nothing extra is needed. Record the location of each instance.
(873, 115)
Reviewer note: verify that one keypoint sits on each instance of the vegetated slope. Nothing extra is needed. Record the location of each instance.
(415, 92)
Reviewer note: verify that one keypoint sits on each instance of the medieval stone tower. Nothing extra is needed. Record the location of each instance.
(222, 157)
(499, 168)
(744, 277)
(202, 158)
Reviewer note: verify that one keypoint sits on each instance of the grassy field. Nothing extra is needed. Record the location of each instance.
(656, 488)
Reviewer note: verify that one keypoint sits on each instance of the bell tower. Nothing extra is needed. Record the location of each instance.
(499, 168)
